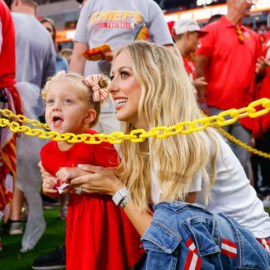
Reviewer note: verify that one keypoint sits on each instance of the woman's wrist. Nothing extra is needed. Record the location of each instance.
(122, 197)
(119, 195)
(126, 200)
(116, 186)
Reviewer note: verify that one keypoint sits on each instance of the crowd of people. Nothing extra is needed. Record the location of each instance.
(192, 201)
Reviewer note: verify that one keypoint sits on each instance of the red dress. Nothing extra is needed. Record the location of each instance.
(99, 235)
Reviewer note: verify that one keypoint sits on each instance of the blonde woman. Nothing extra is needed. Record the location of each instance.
(150, 88)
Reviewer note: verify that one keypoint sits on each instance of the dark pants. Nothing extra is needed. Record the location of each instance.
(261, 165)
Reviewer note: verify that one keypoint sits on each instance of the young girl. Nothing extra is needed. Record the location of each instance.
(98, 234)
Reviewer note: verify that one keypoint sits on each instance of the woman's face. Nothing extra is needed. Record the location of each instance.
(49, 28)
(125, 90)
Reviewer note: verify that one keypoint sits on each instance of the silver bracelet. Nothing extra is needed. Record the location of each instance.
(126, 199)
(119, 195)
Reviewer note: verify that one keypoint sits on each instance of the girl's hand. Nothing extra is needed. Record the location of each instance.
(97, 180)
(48, 182)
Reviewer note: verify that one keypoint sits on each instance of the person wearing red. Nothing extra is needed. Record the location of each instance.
(9, 99)
(264, 87)
(229, 57)
(98, 234)
(261, 132)
(186, 33)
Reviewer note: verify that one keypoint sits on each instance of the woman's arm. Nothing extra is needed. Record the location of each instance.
(101, 180)
(77, 61)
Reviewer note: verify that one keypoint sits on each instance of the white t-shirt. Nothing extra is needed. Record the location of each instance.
(156, 190)
(231, 194)
(116, 22)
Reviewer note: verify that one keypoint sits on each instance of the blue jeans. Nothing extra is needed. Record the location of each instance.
(186, 236)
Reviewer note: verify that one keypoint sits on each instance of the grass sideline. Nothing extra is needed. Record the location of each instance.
(54, 236)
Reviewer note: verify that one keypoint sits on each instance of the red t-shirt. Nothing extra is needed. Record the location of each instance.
(99, 235)
(230, 73)
(189, 67)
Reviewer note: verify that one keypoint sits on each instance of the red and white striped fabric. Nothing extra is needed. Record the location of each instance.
(193, 261)
(228, 248)
(99, 93)
(265, 243)
(190, 244)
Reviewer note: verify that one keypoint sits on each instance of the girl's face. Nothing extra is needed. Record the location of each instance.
(66, 110)
(125, 90)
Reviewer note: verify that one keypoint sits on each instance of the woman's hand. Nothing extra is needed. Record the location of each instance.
(65, 174)
(97, 180)
(48, 182)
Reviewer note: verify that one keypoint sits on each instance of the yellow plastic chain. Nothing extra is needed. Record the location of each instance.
(247, 147)
(254, 109)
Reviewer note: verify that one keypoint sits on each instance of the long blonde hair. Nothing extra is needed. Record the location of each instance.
(167, 99)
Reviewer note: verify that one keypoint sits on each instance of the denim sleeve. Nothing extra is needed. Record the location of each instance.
(167, 250)
(187, 236)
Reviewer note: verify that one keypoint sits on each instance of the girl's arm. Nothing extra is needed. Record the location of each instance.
(48, 182)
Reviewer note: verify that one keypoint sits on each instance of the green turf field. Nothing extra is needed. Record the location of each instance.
(12, 259)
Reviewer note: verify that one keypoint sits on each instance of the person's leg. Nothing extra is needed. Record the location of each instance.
(263, 144)
(16, 212)
(242, 134)
(63, 206)
(256, 168)
(17, 203)
(265, 162)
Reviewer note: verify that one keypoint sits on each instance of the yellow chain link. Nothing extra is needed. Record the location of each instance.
(247, 147)
(22, 119)
(254, 109)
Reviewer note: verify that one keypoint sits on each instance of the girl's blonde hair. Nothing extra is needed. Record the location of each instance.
(167, 99)
(78, 83)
